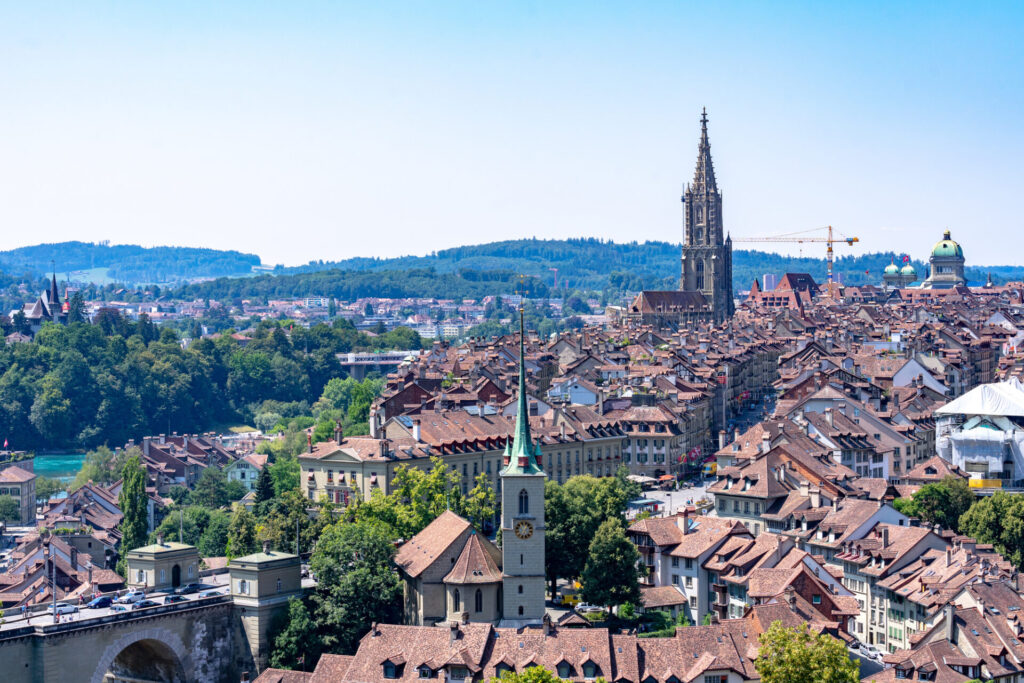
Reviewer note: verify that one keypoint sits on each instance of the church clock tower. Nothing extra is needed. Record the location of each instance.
(522, 516)
(707, 258)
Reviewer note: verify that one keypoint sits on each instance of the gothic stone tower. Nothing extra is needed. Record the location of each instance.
(707, 259)
(522, 517)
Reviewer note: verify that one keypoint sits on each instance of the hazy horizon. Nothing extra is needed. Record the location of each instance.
(333, 130)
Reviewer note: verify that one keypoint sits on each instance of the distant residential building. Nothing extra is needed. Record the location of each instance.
(21, 486)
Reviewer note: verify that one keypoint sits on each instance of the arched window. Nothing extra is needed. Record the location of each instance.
(700, 274)
(479, 601)
(243, 587)
(700, 214)
(456, 601)
(524, 502)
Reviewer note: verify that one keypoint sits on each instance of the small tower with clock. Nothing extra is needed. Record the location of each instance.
(522, 516)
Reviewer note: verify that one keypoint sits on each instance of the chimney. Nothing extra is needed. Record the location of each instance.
(949, 621)
(89, 569)
(714, 617)
(374, 631)
(159, 539)
(245, 677)
(163, 439)
(549, 628)
(374, 427)
(74, 557)
(791, 597)
(885, 537)
(339, 432)
(949, 556)
(145, 444)
(416, 430)
(453, 632)
(309, 442)
(828, 417)
(464, 617)
(721, 439)
(385, 448)
(686, 522)
(266, 547)
(766, 442)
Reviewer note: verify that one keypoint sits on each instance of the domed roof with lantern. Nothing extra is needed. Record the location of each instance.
(947, 247)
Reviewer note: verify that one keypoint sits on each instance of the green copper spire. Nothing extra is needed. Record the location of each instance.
(521, 455)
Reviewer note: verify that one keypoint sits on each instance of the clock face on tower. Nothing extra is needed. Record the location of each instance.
(523, 529)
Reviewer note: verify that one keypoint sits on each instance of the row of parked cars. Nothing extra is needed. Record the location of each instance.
(136, 599)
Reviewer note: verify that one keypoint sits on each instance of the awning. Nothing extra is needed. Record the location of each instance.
(666, 477)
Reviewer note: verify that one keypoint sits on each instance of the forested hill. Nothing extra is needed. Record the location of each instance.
(125, 263)
(593, 264)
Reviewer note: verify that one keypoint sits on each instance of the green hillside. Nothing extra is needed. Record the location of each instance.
(102, 263)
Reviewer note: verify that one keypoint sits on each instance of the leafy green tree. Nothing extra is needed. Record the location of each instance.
(610, 576)
(356, 584)
(48, 487)
(299, 642)
(572, 514)
(76, 309)
(417, 498)
(939, 503)
(795, 655)
(999, 520)
(10, 509)
(285, 473)
(481, 502)
(264, 485)
(214, 540)
(210, 490)
(533, 674)
(241, 536)
(133, 502)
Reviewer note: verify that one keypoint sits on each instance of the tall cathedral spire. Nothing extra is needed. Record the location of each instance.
(704, 175)
(521, 453)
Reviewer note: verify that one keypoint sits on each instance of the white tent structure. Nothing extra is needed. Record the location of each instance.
(1002, 398)
(988, 444)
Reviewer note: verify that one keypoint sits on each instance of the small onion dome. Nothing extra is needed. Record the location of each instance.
(908, 270)
(892, 269)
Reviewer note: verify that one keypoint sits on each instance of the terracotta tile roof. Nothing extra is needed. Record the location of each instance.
(421, 550)
(479, 562)
(661, 596)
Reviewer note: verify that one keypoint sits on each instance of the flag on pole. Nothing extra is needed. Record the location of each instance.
(5, 443)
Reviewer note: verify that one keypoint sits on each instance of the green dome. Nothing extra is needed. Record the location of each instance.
(947, 247)
(908, 270)
(892, 269)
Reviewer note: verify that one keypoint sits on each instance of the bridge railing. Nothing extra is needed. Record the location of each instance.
(112, 617)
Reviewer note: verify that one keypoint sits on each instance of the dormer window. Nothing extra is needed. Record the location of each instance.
(426, 672)
(390, 670)
(589, 670)
(564, 670)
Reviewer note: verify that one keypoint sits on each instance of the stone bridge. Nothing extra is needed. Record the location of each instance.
(201, 640)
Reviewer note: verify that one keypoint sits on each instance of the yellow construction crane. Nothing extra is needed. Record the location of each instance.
(801, 237)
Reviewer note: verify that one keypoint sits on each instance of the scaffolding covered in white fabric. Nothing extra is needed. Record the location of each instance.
(1001, 398)
(985, 452)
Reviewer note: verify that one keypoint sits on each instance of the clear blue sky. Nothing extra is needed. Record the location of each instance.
(302, 130)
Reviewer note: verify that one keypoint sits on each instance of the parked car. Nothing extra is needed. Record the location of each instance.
(130, 597)
(870, 651)
(100, 602)
(64, 608)
(174, 598)
(142, 604)
(119, 607)
(188, 589)
(584, 608)
(209, 593)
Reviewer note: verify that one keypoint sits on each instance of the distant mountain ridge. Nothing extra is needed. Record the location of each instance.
(101, 262)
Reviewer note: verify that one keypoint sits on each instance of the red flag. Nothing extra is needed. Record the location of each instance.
(5, 443)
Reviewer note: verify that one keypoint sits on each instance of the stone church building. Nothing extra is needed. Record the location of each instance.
(705, 288)
(452, 573)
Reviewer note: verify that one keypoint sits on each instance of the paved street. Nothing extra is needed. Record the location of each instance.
(676, 500)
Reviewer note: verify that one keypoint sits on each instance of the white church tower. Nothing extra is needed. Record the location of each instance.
(522, 516)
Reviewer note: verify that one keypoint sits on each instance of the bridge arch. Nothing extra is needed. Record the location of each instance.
(159, 650)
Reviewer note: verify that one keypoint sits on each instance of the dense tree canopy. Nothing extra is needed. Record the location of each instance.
(999, 520)
(795, 655)
(939, 503)
(610, 575)
(86, 385)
